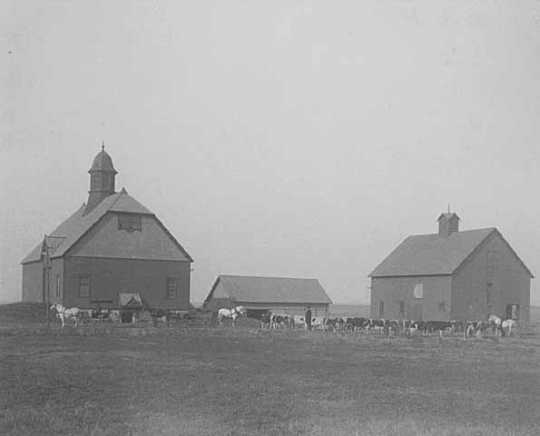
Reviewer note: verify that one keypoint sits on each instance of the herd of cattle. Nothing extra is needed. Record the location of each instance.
(493, 325)
(268, 320)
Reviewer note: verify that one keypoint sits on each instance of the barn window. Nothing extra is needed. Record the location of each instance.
(172, 286)
(381, 309)
(84, 286)
(402, 308)
(442, 306)
(129, 222)
(419, 290)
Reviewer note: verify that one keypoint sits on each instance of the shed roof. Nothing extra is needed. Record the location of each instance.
(76, 226)
(432, 254)
(249, 289)
(130, 299)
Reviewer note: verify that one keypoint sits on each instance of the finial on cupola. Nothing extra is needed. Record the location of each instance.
(102, 145)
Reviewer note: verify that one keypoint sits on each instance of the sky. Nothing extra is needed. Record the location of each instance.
(285, 138)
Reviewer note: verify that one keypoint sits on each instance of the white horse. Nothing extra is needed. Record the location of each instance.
(495, 323)
(507, 326)
(63, 313)
(233, 313)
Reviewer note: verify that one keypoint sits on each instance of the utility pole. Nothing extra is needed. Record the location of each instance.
(46, 266)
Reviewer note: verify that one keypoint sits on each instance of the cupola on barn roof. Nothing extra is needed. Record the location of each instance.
(102, 162)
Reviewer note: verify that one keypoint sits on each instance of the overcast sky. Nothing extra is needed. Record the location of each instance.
(286, 138)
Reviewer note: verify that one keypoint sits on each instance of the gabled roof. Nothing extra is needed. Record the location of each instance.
(248, 289)
(421, 255)
(78, 224)
(430, 254)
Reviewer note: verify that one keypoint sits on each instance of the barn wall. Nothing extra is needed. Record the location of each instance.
(289, 308)
(214, 304)
(56, 272)
(490, 280)
(392, 290)
(32, 282)
(109, 277)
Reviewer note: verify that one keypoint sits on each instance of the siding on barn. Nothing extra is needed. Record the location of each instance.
(57, 270)
(33, 290)
(393, 290)
(32, 282)
(106, 240)
(289, 308)
(494, 263)
(110, 276)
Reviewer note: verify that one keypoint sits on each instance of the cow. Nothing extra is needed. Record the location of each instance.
(376, 325)
(457, 326)
(317, 322)
(356, 324)
(265, 320)
(281, 321)
(438, 326)
(334, 324)
(476, 328)
(299, 321)
(418, 326)
(391, 327)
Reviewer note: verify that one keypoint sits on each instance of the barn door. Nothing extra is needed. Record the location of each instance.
(417, 311)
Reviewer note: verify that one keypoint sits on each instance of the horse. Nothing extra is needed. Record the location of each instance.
(495, 322)
(507, 326)
(63, 313)
(233, 313)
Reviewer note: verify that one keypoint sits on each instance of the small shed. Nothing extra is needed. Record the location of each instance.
(278, 294)
(130, 303)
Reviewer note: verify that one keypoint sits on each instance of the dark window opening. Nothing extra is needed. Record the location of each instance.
(129, 222)
(172, 286)
(58, 285)
(402, 308)
(442, 306)
(84, 286)
(381, 309)
(512, 311)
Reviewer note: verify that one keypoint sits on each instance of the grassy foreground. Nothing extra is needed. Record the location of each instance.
(210, 381)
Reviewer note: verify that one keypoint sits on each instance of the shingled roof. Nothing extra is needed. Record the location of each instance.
(248, 289)
(72, 229)
(432, 254)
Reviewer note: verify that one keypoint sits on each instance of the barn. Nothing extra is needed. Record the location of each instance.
(451, 275)
(110, 247)
(280, 295)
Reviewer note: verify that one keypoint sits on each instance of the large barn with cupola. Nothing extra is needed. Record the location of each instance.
(110, 248)
(451, 275)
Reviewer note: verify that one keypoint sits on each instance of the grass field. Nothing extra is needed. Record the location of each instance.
(243, 381)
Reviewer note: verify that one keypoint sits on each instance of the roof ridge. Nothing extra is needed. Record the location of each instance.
(118, 194)
(460, 231)
(267, 277)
